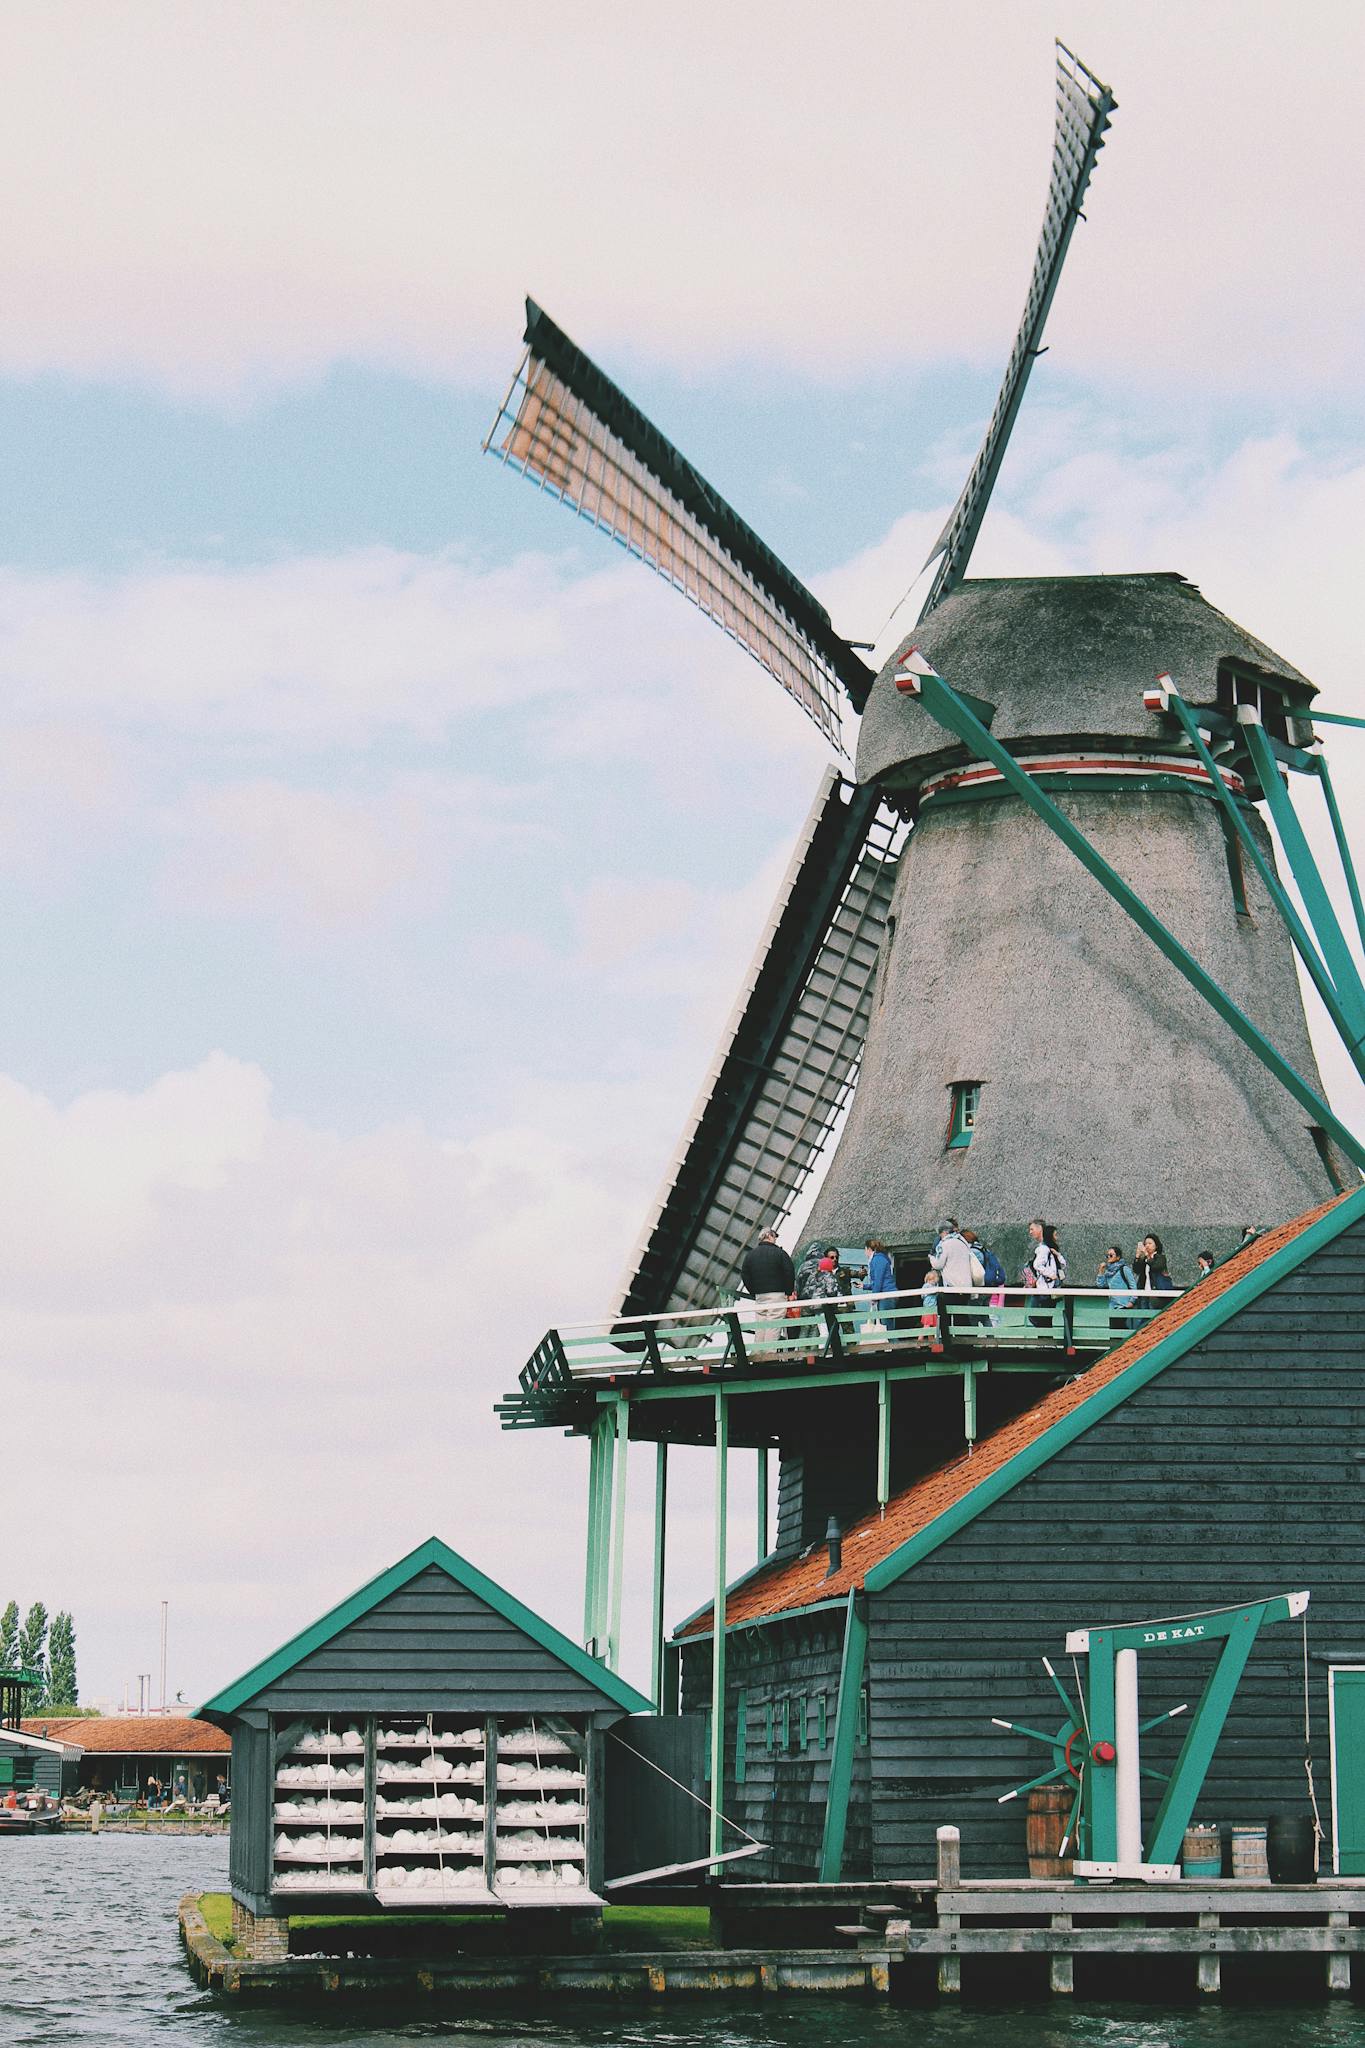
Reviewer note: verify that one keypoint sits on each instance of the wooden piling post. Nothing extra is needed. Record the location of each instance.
(1338, 1965)
(1061, 1969)
(1209, 1974)
(949, 1878)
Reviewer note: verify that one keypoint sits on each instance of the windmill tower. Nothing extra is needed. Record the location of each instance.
(1018, 1046)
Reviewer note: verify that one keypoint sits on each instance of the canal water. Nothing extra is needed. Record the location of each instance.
(90, 1958)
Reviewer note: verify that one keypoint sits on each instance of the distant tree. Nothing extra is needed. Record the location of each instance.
(9, 1636)
(33, 1646)
(61, 1662)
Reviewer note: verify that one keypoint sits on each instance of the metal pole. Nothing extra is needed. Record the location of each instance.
(163, 1655)
(1343, 849)
(1128, 1761)
(761, 1508)
(656, 1630)
(943, 704)
(718, 1633)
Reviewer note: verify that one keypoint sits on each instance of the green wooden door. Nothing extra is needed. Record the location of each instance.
(1348, 1769)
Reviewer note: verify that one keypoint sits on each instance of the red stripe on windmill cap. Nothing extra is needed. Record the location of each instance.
(911, 666)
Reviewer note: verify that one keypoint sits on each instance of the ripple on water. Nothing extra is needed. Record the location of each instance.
(90, 1958)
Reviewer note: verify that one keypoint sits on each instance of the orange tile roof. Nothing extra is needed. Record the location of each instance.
(134, 1734)
(802, 1581)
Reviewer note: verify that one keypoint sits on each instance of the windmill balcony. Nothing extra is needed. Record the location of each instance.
(662, 1361)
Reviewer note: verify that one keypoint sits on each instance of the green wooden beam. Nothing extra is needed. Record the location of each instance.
(656, 1625)
(1343, 846)
(851, 1668)
(1333, 718)
(761, 1503)
(884, 1438)
(616, 1559)
(1201, 1739)
(851, 1376)
(943, 704)
(718, 1633)
(1101, 1805)
(594, 1530)
(1354, 1040)
(1335, 951)
(969, 1404)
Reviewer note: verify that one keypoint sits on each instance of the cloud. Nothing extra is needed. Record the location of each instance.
(285, 1342)
(330, 858)
(223, 198)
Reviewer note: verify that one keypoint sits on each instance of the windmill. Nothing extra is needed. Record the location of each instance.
(1017, 1046)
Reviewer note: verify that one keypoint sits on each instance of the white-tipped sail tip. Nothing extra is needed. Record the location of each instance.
(1157, 697)
(1047, 1666)
(1298, 1603)
(996, 1722)
(911, 667)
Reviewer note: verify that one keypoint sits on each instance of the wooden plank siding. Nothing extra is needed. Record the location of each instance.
(433, 1646)
(1234, 1474)
(251, 1845)
(783, 1796)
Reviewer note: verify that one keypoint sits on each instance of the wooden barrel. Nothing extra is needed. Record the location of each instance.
(1049, 1807)
(1248, 1852)
(1201, 1854)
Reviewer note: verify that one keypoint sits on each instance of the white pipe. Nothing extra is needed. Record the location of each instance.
(163, 1655)
(1128, 1762)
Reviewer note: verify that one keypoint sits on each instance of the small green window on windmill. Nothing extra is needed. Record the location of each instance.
(962, 1121)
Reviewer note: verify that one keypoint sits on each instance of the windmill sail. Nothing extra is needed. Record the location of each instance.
(566, 426)
(786, 1061)
(1083, 110)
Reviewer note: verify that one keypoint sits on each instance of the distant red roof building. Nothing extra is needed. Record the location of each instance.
(133, 1734)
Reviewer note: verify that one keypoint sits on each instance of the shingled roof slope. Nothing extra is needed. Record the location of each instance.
(135, 1734)
(800, 1582)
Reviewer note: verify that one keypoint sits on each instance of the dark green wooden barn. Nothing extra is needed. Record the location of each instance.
(1216, 1457)
(429, 1743)
(29, 1763)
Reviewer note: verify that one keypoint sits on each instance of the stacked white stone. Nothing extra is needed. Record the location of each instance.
(419, 1761)
(541, 1813)
(320, 1820)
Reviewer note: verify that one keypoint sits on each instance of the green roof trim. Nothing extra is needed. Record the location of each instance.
(367, 1597)
(1221, 1309)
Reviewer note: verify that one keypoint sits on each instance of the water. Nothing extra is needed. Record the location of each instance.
(90, 1958)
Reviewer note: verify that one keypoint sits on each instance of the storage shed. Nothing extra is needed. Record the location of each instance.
(1214, 1458)
(428, 1743)
(31, 1763)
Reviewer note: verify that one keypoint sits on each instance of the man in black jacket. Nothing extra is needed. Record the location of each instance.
(770, 1277)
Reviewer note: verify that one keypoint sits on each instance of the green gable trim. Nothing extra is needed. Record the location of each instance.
(1106, 1399)
(370, 1596)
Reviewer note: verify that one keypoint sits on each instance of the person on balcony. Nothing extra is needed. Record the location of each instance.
(954, 1260)
(770, 1277)
(1149, 1263)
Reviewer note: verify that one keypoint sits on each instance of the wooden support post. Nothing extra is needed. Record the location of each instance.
(969, 1402)
(656, 1619)
(1339, 1966)
(600, 1444)
(883, 1442)
(949, 1842)
(616, 1554)
(718, 1634)
(1210, 1967)
(761, 1503)
(1061, 1969)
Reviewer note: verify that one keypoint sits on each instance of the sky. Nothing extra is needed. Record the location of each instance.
(381, 851)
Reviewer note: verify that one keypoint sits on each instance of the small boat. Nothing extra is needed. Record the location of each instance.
(34, 1815)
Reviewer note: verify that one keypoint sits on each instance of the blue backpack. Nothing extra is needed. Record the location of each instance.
(991, 1267)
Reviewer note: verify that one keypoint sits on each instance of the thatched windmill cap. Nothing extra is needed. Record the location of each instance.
(1063, 658)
